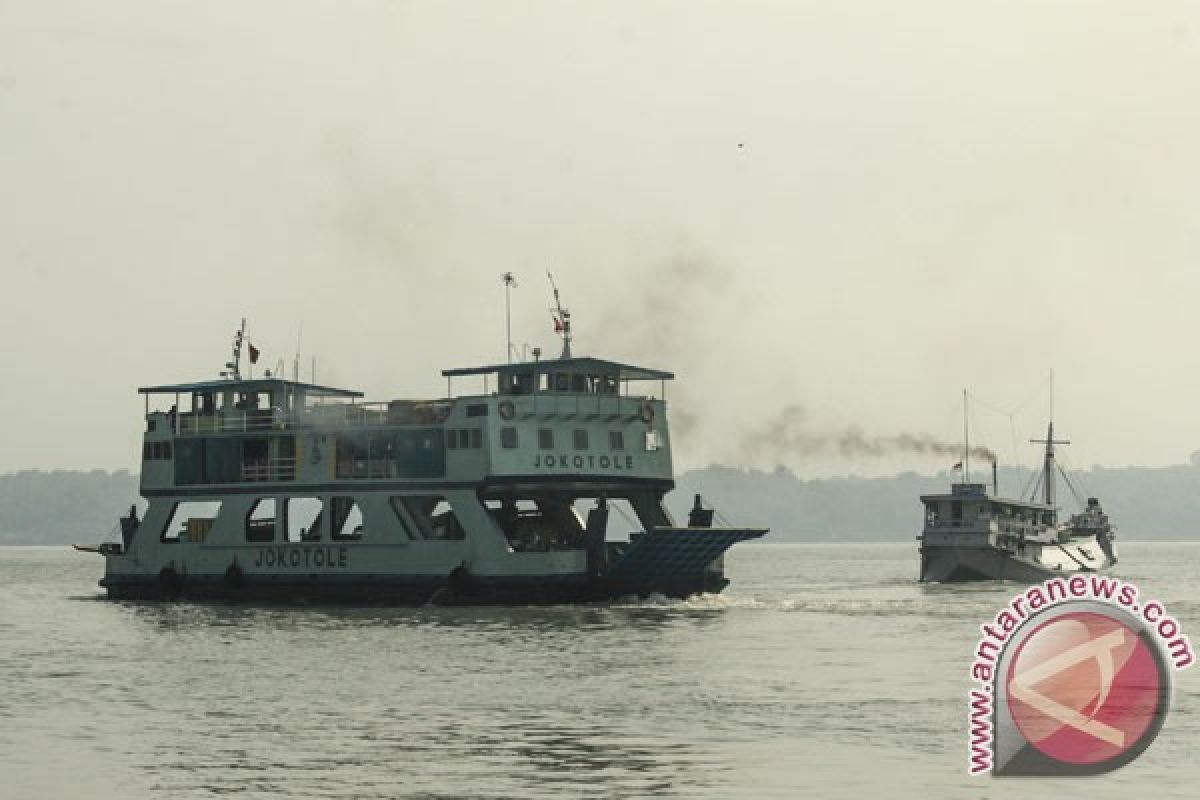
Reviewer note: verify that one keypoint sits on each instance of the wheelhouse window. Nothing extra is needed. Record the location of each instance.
(304, 519)
(191, 521)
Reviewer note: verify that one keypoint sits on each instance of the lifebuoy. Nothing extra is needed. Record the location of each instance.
(507, 411)
(647, 412)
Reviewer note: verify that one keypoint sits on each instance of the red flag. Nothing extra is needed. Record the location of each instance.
(253, 353)
(558, 326)
(957, 467)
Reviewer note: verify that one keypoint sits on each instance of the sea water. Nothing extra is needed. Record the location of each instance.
(823, 671)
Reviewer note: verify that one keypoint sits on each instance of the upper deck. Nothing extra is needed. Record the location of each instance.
(574, 419)
(969, 508)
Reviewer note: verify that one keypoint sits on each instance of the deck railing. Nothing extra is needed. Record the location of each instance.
(277, 469)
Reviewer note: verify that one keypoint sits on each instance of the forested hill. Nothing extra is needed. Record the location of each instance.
(1144, 503)
(62, 507)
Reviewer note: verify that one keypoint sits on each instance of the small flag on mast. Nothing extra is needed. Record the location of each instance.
(957, 467)
(253, 353)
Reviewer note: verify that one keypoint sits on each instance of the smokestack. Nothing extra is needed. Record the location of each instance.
(995, 480)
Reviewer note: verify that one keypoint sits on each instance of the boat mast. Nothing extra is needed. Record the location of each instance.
(233, 367)
(966, 443)
(562, 319)
(509, 284)
(1048, 467)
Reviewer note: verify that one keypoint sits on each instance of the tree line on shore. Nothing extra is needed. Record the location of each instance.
(64, 506)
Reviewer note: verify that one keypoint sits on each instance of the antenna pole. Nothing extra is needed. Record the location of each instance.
(234, 366)
(562, 318)
(966, 443)
(296, 360)
(509, 283)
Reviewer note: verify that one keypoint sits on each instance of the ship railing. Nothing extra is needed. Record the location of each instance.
(275, 469)
(192, 423)
(347, 415)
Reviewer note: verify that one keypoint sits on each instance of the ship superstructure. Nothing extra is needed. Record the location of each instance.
(274, 488)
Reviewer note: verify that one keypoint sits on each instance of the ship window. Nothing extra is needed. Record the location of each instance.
(956, 511)
(411, 453)
(397, 504)
(304, 519)
(579, 383)
(546, 438)
(452, 439)
(562, 381)
(523, 384)
(191, 521)
(616, 440)
(347, 519)
(508, 438)
(165, 452)
(260, 522)
(610, 384)
(540, 524)
(477, 410)
(434, 517)
(147, 451)
(476, 438)
(581, 439)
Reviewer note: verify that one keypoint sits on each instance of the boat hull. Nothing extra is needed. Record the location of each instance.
(674, 562)
(410, 591)
(960, 563)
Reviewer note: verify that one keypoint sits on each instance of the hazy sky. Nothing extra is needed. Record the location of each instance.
(855, 209)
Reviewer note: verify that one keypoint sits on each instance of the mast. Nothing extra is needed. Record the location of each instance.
(1048, 467)
(510, 283)
(966, 443)
(562, 319)
(233, 366)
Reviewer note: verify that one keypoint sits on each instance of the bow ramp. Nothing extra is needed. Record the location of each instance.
(676, 552)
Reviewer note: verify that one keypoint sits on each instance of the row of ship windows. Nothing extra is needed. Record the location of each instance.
(156, 451)
(312, 519)
(509, 439)
(456, 439)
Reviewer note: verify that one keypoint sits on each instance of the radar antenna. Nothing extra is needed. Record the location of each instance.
(562, 319)
(233, 367)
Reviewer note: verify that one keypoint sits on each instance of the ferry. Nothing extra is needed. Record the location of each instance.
(970, 535)
(267, 489)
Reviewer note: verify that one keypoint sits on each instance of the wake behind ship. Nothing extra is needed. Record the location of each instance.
(277, 489)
